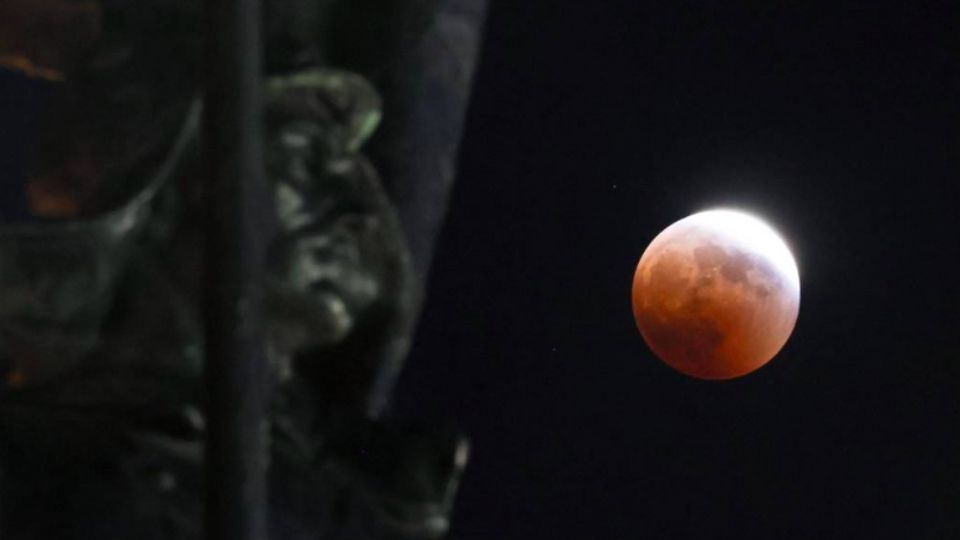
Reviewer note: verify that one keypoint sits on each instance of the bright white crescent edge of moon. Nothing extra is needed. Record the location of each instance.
(751, 231)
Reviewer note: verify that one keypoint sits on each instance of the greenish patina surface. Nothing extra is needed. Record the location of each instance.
(101, 423)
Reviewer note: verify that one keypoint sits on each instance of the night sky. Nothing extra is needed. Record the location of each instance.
(595, 125)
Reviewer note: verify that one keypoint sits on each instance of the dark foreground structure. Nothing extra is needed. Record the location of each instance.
(264, 217)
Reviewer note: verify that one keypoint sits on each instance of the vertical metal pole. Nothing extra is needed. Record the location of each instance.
(237, 203)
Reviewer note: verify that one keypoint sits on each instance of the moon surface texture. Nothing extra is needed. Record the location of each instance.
(716, 295)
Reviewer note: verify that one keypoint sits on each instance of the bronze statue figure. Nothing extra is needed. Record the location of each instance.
(101, 417)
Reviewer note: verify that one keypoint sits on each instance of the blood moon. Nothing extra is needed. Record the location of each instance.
(716, 295)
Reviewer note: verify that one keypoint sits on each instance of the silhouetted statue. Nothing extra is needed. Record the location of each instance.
(101, 424)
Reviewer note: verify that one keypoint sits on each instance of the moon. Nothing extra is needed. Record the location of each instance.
(716, 295)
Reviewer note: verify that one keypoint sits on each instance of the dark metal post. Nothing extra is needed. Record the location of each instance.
(237, 206)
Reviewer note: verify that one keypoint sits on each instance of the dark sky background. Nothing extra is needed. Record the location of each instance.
(597, 124)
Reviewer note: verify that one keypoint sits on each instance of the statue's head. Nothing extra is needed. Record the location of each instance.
(339, 272)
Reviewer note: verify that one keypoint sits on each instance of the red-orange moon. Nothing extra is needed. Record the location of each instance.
(716, 295)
